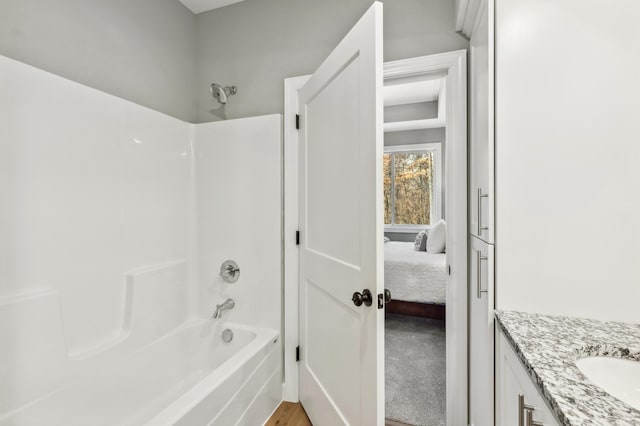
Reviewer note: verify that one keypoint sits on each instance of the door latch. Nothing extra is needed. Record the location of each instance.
(384, 298)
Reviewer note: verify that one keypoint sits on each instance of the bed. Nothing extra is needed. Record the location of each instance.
(417, 280)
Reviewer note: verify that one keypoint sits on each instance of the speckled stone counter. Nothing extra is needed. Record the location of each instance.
(549, 346)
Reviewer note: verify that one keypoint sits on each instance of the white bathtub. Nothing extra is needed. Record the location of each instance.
(187, 377)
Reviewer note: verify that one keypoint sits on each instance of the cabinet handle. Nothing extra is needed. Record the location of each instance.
(480, 197)
(523, 409)
(530, 421)
(525, 413)
(479, 259)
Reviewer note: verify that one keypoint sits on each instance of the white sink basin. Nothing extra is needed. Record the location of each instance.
(617, 376)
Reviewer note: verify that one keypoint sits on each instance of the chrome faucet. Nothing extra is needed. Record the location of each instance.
(224, 306)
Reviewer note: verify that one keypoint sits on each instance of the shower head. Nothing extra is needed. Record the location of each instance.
(221, 94)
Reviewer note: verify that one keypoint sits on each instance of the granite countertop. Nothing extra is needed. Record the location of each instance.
(549, 346)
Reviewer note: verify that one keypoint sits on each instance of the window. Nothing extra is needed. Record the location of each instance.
(412, 189)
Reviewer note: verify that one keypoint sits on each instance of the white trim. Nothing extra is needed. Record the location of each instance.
(427, 146)
(482, 8)
(454, 64)
(290, 308)
(436, 211)
(442, 103)
(460, 12)
(401, 126)
(437, 64)
(427, 123)
(468, 15)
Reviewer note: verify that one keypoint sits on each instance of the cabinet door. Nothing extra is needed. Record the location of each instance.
(481, 149)
(508, 389)
(481, 333)
(513, 383)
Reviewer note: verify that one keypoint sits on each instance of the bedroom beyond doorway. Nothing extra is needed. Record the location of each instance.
(415, 260)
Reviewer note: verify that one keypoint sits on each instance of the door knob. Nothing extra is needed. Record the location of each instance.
(365, 297)
(387, 296)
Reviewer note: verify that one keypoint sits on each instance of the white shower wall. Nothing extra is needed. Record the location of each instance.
(239, 216)
(92, 187)
(99, 234)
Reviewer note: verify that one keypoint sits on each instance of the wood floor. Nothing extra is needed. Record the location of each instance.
(289, 414)
(292, 414)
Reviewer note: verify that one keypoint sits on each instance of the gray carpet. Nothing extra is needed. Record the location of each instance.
(415, 370)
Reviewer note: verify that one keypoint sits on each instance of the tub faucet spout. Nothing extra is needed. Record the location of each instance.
(224, 306)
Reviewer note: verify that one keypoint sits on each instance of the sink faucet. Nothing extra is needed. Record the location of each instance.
(224, 306)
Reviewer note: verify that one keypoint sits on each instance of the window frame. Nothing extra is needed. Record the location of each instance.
(436, 211)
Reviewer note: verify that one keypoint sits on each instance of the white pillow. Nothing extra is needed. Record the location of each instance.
(437, 241)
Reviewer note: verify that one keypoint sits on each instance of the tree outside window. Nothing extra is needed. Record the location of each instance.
(411, 186)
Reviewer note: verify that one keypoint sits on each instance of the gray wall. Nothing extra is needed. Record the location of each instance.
(409, 137)
(255, 44)
(414, 111)
(158, 54)
(140, 50)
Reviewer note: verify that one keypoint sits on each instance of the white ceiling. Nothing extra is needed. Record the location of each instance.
(403, 91)
(199, 6)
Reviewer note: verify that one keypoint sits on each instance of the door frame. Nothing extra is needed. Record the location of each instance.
(454, 66)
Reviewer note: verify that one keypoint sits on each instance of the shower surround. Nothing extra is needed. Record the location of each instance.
(115, 221)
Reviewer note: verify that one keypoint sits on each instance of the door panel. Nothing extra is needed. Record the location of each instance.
(333, 165)
(481, 333)
(342, 346)
(481, 146)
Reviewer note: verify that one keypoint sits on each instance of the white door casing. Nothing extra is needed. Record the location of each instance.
(341, 222)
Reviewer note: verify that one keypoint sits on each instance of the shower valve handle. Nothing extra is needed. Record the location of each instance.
(230, 271)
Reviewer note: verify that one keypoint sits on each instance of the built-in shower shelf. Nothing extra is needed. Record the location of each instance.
(401, 126)
(35, 337)
(154, 304)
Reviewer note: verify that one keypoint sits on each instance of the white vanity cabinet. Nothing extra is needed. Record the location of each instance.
(481, 147)
(517, 398)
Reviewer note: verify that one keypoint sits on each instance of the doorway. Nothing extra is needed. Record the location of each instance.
(415, 259)
(452, 67)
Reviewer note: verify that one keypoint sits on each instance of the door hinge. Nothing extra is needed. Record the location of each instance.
(297, 238)
(449, 269)
(297, 353)
(298, 121)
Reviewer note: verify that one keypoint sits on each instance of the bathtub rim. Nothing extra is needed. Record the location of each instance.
(262, 337)
(177, 409)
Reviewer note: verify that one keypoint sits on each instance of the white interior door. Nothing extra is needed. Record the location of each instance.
(341, 222)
